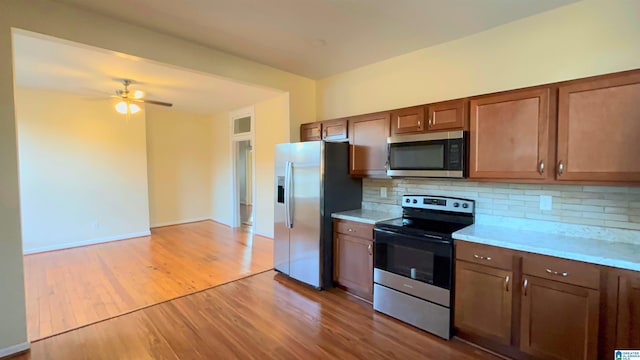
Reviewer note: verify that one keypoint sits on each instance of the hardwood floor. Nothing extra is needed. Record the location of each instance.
(254, 318)
(74, 287)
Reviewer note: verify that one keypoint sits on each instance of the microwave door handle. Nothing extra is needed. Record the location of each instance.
(386, 164)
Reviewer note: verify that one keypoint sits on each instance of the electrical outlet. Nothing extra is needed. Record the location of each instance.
(383, 192)
(546, 202)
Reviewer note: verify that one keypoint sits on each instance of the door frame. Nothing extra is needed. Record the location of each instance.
(234, 151)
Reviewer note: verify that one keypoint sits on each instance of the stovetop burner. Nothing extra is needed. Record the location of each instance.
(431, 216)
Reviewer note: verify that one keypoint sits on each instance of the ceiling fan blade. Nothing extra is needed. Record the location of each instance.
(153, 102)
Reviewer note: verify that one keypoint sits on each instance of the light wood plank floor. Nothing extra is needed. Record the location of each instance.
(254, 318)
(74, 287)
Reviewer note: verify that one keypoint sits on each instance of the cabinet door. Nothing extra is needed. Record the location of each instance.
(448, 115)
(311, 131)
(559, 321)
(483, 301)
(334, 130)
(628, 334)
(353, 268)
(408, 120)
(510, 135)
(599, 129)
(368, 139)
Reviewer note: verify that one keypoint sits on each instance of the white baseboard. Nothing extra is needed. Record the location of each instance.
(14, 349)
(178, 222)
(270, 236)
(85, 242)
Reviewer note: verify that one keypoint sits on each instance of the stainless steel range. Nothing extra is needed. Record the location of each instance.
(413, 261)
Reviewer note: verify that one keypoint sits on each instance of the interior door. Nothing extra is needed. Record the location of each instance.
(280, 229)
(305, 210)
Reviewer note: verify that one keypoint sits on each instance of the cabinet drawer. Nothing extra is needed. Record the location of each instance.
(562, 270)
(484, 255)
(353, 228)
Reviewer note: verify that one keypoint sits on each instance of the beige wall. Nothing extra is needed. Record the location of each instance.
(180, 163)
(221, 179)
(590, 37)
(59, 20)
(83, 172)
(271, 124)
(271, 129)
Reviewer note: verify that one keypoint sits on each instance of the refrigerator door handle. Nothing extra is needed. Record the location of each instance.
(286, 194)
(290, 208)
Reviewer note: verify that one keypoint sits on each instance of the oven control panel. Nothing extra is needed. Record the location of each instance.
(438, 203)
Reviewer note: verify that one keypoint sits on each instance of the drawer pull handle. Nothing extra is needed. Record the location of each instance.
(525, 284)
(370, 249)
(563, 274)
(488, 258)
(506, 283)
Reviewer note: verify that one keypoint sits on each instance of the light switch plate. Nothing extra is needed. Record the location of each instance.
(546, 202)
(383, 192)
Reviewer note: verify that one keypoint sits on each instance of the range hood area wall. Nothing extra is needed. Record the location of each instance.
(615, 207)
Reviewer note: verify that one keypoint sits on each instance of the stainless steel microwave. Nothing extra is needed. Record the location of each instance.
(441, 154)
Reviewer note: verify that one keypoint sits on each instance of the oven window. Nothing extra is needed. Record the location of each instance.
(413, 257)
(417, 156)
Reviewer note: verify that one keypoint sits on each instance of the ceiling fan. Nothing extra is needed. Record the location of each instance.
(129, 98)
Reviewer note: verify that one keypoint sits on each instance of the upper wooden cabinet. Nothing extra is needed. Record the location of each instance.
(448, 115)
(443, 116)
(408, 120)
(510, 135)
(330, 130)
(311, 131)
(335, 130)
(368, 139)
(599, 129)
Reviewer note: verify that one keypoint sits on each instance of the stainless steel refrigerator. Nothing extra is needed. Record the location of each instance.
(311, 182)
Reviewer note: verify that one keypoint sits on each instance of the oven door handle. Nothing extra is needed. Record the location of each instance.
(426, 237)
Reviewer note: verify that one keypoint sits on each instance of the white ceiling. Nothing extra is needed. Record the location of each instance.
(319, 38)
(47, 63)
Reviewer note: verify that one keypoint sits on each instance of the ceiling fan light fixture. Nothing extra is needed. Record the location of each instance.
(122, 107)
(138, 94)
(133, 108)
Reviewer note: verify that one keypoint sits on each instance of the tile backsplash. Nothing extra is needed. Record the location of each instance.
(615, 207)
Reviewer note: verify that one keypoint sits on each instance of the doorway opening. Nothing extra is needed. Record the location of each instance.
(243, 158)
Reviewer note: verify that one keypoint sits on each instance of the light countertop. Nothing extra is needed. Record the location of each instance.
(601, 252)
(364, 216)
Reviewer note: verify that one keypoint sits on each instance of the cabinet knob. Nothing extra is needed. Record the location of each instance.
(370, 249)
(541, 167)
(560, 168)
(506, 283)
(525, 284)
(558, 273)
(487, 258)
(350, 230)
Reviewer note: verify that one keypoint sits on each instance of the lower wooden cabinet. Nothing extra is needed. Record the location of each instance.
(628, 317)
(529, 306)
(559, 321)
(483, 301)
(353, 258)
